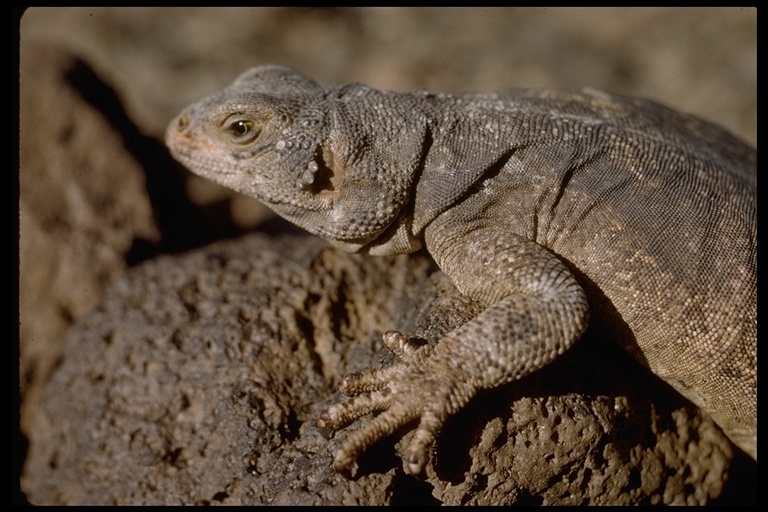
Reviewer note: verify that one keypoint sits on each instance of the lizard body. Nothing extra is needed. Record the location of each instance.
(544, 206)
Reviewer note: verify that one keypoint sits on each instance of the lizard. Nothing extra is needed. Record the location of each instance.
(546, 207)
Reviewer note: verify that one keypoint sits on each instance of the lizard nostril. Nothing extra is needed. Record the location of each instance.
(182, 122)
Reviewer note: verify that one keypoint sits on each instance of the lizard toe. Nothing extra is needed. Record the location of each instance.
(401, 345)
(344, 413)
(420, 447)
(377, 428)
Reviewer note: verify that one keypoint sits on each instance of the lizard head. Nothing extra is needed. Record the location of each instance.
(318, 155)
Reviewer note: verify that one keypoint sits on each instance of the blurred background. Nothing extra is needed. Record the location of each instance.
(699, 60)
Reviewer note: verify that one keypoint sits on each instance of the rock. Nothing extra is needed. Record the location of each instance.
(83, 206)
(198, 377)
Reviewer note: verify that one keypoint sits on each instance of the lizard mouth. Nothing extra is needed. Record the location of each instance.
(194, 149)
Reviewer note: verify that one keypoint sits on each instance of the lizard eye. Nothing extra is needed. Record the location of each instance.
(242, 131)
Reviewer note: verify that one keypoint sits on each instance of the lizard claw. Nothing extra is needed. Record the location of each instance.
(401, 345)
(399, 394)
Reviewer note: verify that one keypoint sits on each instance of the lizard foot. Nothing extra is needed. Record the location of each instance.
(418, 385)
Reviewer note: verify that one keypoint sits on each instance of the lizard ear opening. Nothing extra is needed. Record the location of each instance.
(319, 175)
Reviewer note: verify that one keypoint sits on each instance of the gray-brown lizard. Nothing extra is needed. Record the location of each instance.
(539, 204)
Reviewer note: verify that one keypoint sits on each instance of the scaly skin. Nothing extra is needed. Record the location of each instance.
(539, 205)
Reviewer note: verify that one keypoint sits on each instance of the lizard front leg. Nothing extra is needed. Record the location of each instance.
(535, 311)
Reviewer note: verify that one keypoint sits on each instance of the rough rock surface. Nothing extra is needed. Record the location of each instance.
(198, 377)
